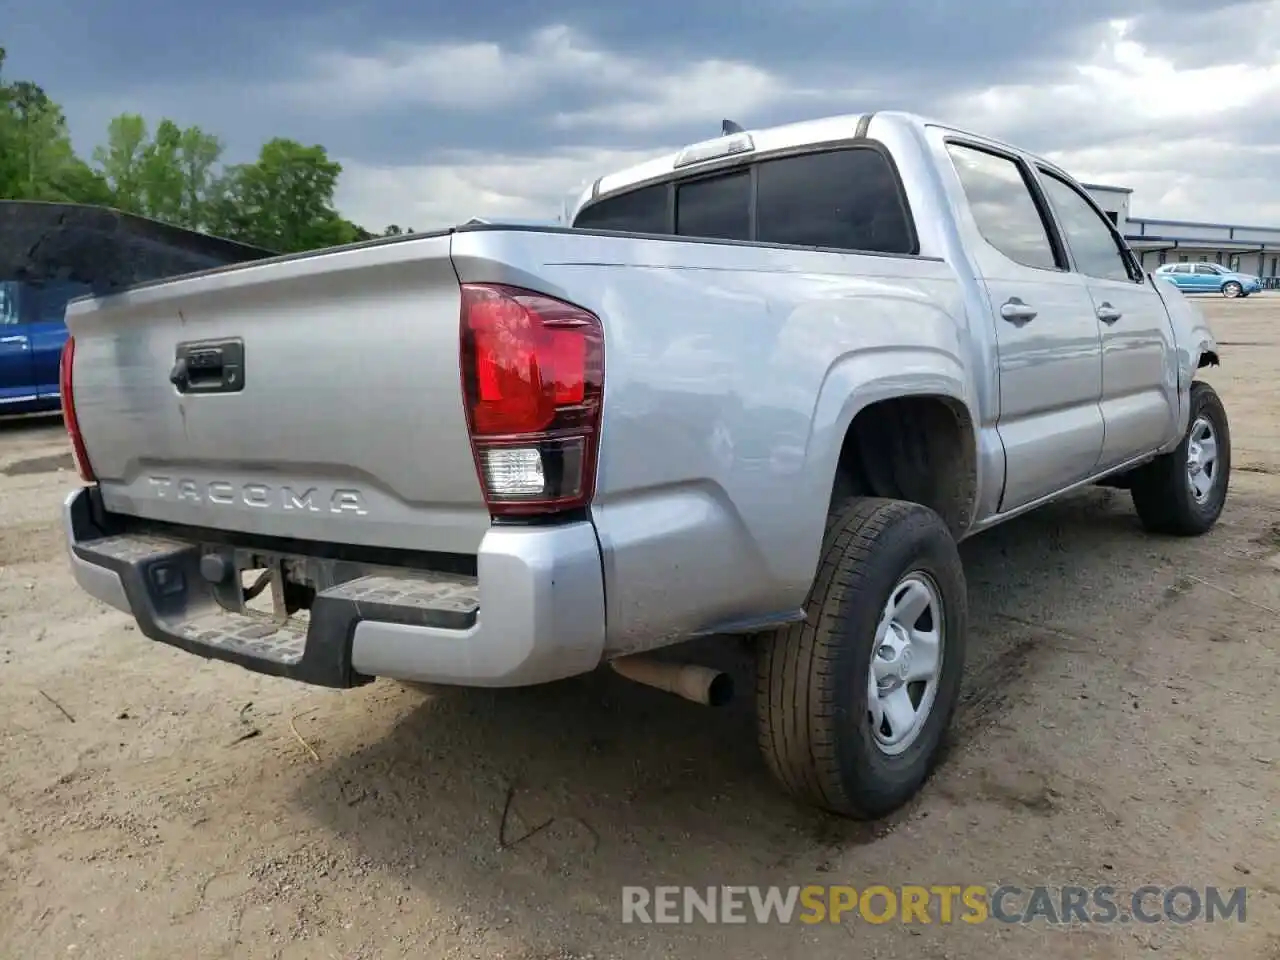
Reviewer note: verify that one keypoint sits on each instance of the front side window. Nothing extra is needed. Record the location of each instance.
(1092, 242)
(1204, 268)
(46, 302)
(9, 303)
(1002, 206)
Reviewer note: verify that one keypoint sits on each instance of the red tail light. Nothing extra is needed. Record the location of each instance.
(66, 364)
(532, 381)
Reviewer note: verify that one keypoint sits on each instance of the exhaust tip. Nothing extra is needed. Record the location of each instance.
(720, 690)
(712, 688)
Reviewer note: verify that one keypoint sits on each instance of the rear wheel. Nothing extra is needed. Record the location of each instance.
(853, 704)
(1183, 492)
(1231, 289)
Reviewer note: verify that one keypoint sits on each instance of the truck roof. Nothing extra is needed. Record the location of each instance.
(766, 140)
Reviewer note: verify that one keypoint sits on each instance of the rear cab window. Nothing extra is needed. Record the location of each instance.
(715, 207)
(639, 211)
(846, 198)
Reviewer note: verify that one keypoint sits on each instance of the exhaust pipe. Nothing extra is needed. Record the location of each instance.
(711, 688)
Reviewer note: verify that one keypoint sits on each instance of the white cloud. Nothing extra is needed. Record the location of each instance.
(640, 94)
(653, 98)
(452, 190)
(1184, 139)
(1179, 137)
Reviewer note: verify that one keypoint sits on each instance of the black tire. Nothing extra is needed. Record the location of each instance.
(1231, 289)
(812, 677)
(1162, 491)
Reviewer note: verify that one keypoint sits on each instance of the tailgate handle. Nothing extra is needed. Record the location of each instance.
(209, 367)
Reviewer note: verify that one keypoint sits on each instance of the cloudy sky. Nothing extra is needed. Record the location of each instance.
(442, 110)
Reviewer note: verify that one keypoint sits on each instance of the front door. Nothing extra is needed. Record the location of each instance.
(1139, 362)
(44, 305)
(17, 390)
(1050, 350)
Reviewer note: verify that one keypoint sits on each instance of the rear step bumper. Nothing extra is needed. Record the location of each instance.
(533, 613)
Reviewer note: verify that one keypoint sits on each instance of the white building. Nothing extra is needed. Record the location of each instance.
(1251, 250)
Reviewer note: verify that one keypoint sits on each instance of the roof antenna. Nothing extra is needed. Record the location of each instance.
(728, 126)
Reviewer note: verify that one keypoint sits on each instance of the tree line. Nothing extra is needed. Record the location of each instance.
(282, 201)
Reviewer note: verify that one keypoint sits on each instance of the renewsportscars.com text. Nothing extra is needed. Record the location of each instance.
(939, 903)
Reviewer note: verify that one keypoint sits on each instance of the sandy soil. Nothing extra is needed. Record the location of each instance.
(1121, 726)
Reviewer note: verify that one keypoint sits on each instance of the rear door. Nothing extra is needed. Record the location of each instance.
(1139, 369)
(1050, 351)
(1204, 278)
(16, 376)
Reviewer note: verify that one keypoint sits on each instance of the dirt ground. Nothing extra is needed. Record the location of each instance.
(1121, 726)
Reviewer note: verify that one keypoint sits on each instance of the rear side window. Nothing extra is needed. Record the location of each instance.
(717, 207)
(639, 211)
(1002, 206)
(846, 199)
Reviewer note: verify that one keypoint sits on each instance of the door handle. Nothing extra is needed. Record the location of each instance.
(1108, 314)
(1017, 312)
(21, 340)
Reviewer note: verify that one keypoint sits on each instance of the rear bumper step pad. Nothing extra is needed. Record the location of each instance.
(174, 604)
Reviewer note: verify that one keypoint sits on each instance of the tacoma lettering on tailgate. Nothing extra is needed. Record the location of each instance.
(260, 495)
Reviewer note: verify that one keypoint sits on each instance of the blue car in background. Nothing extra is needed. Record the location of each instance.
(1209, 278)
(32, 333)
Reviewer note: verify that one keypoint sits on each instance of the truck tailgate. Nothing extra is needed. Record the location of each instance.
(320, 399)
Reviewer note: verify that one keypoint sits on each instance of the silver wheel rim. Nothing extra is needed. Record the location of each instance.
(906, 663)
(1231, 290)
(1202, 459)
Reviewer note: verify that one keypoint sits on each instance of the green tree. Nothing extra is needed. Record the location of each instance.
(122, 158)
(37, 161)
(199, 154)
(172, 175)
(284, 200)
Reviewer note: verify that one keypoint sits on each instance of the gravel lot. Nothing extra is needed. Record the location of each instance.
(1121, 726)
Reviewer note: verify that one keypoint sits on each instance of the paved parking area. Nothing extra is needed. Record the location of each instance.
(1120, 726)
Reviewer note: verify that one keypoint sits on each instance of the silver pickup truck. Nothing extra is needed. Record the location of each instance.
(760, 387)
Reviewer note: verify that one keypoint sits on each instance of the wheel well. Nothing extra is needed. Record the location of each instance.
(919, 449)
(1207, 359)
